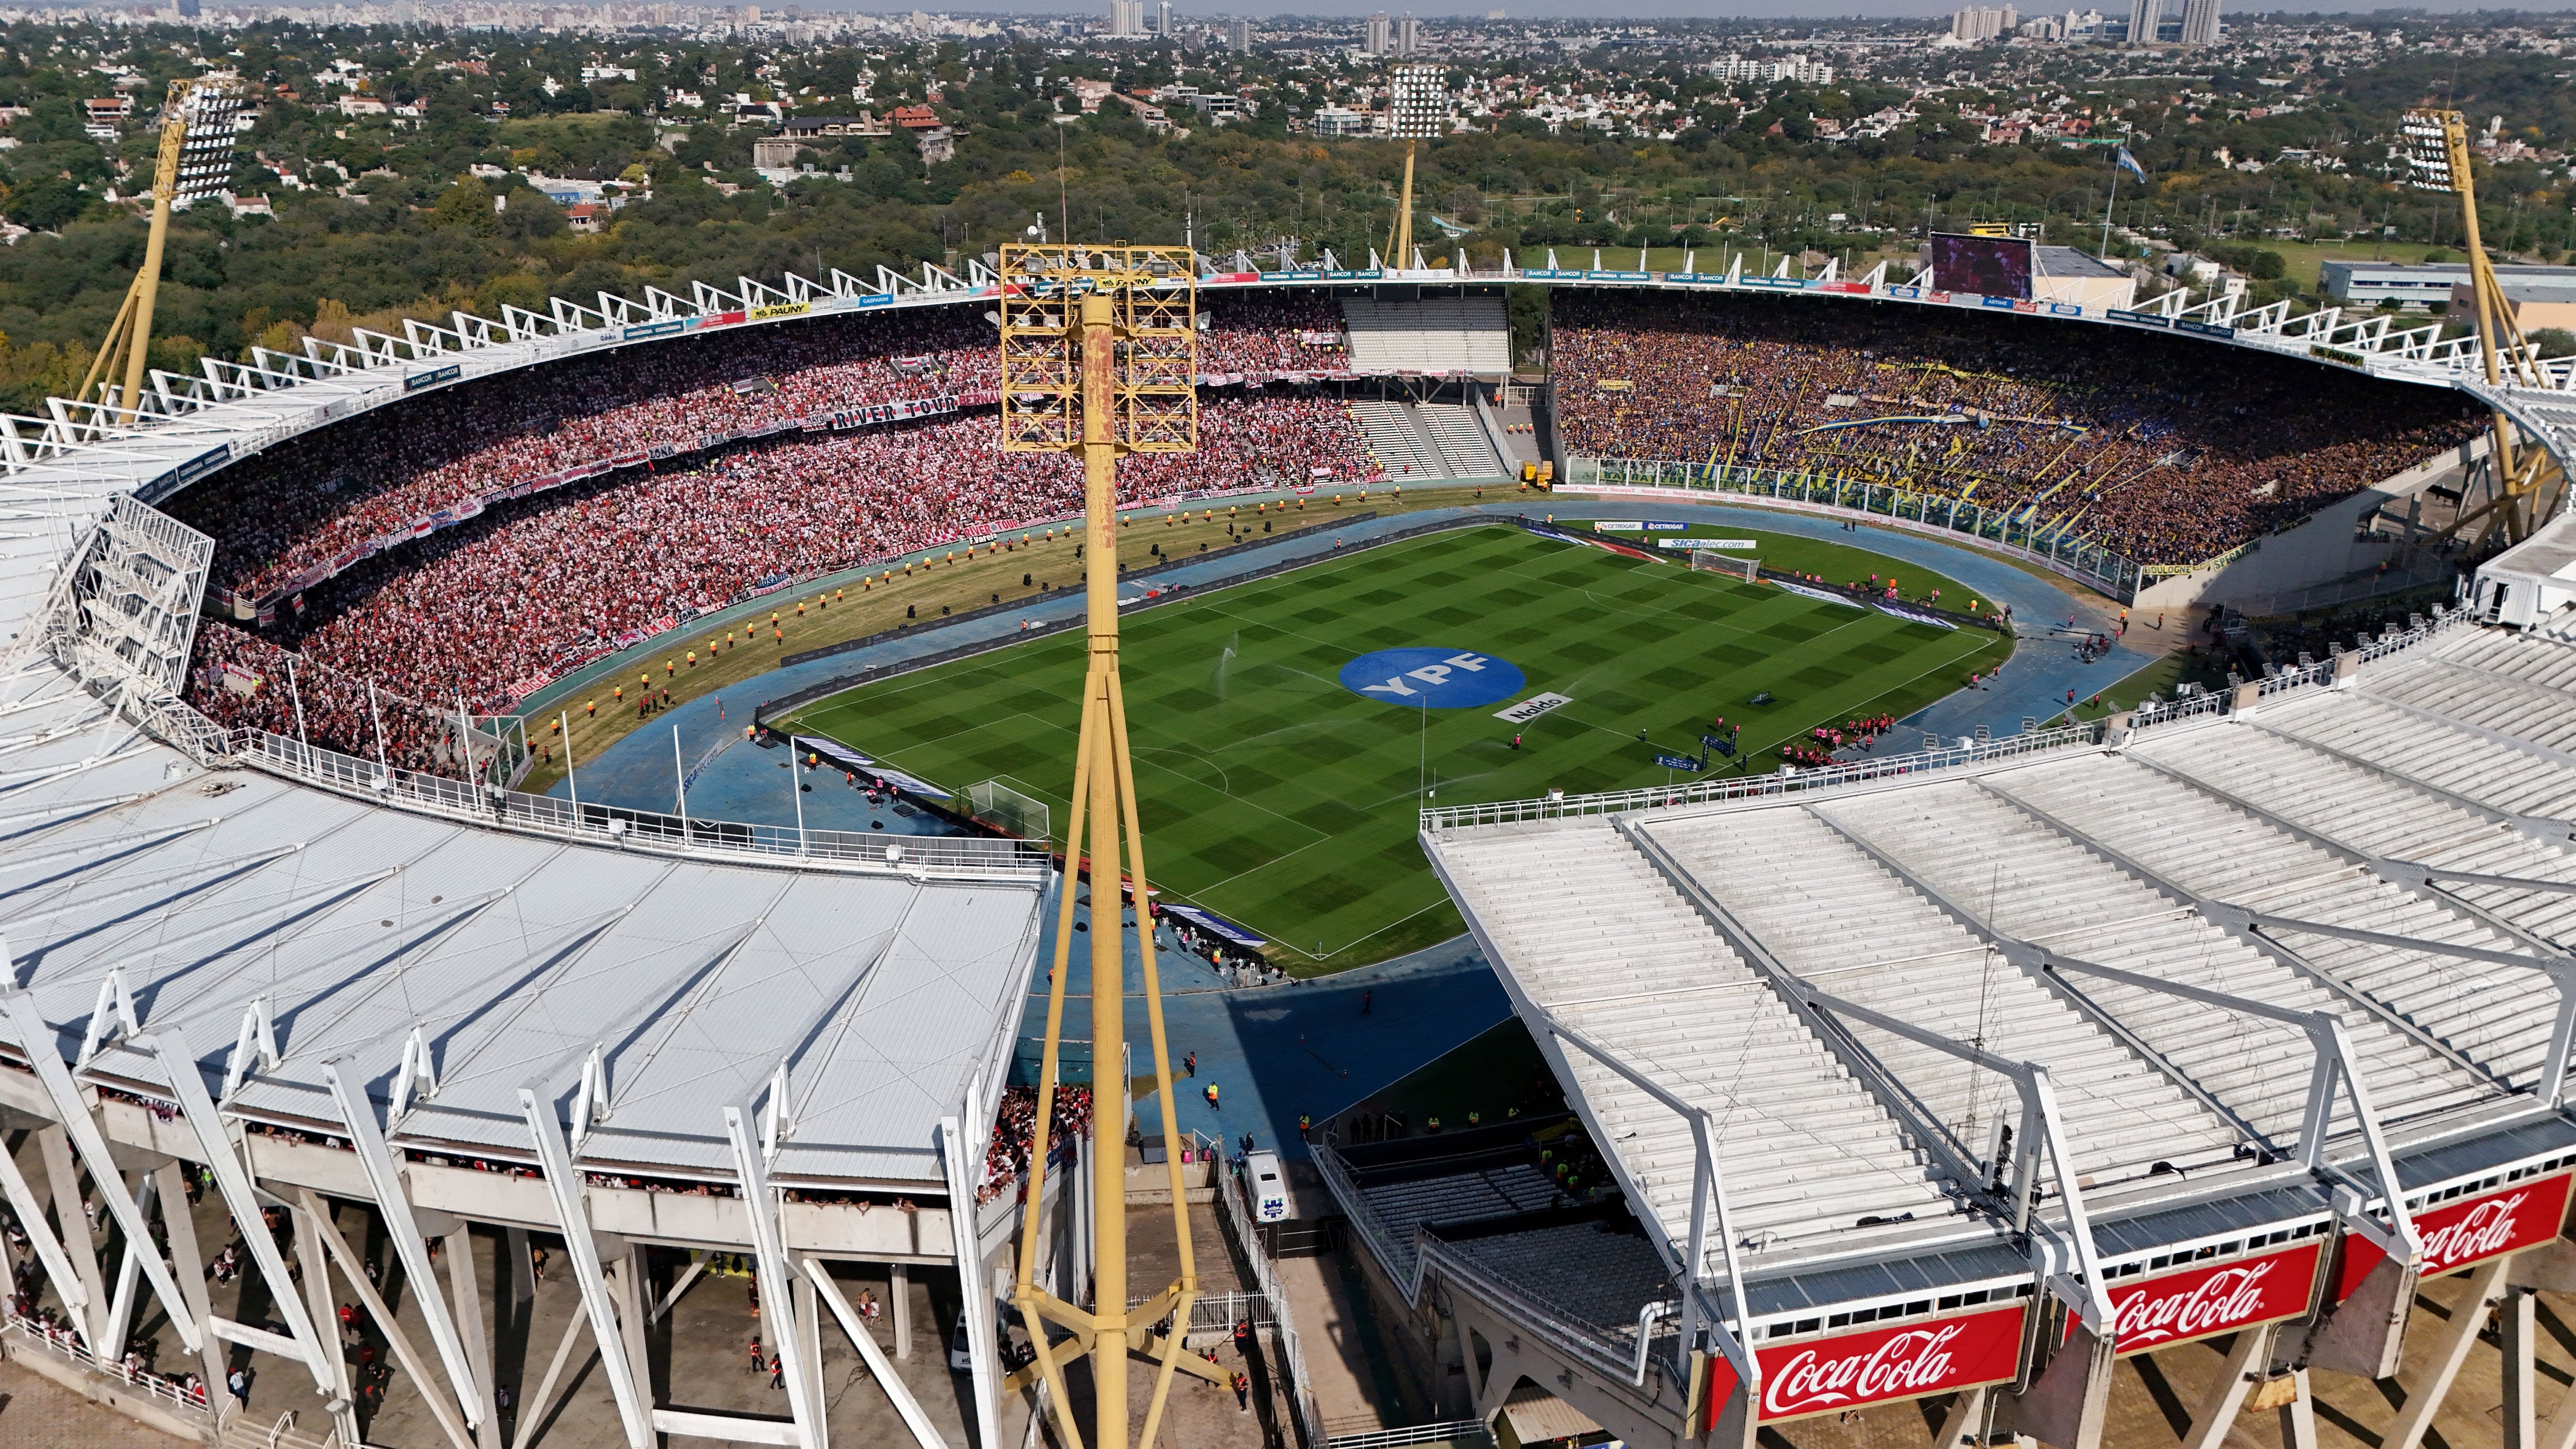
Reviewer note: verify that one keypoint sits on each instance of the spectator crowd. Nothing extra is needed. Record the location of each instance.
(296, 508)
(2161, 449)
(380, 656)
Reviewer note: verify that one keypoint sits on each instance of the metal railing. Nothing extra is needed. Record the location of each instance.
(1787, 781)
(1563, 1331)
(1292, 1355)
(66, 1345)
(2074, 555)
(1475, 1431)
(958, 857)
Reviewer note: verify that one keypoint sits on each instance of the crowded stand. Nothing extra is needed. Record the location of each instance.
(536, 585)
(1015, 1123)
(2163, 450)
(279, 518)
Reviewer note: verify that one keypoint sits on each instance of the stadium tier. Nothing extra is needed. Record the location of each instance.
(2038, 1056)
(2165, 450)
(270, 951)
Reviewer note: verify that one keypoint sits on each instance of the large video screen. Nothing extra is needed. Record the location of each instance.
(1990, 266)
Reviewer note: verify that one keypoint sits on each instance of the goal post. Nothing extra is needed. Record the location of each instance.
(1007, 810)
(1742, 566)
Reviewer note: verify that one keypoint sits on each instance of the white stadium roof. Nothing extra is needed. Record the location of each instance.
(2151, 918)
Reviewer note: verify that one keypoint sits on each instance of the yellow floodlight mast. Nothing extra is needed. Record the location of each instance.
(122, 356)
(2527, 478)
(1100, 357)
(1417, 100)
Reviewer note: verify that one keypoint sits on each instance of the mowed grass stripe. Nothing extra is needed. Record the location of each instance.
(1274, 796)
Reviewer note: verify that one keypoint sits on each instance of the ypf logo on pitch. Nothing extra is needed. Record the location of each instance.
(1432, 678)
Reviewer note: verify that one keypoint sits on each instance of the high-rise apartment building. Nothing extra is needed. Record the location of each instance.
(2144, 17)
(1982, 23)
(1408, 35)
(2200, 22)
(1378, 35)
(1126, 19)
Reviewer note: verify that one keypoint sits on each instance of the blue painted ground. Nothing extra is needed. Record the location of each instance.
(1273, 1052)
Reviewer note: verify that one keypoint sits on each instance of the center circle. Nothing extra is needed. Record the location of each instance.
(1432, 677)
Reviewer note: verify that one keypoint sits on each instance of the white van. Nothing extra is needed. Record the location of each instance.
(1267, 1187)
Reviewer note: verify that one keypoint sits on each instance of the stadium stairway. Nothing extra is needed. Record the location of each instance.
(1427, 440)
(1392, 440)
(1450, 334)
(1461, 440)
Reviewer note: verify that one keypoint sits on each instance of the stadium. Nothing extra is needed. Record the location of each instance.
(1946, 1082)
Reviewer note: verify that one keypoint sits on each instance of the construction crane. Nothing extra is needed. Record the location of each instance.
(196, 161)
(2528, 480)
(1100, 358)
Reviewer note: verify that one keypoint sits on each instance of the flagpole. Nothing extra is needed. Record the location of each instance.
(2113, 202)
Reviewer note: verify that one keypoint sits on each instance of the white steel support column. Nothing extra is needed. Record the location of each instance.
(2248, 1356)
(2458, 1337)
(353, 1270)
(36, 1039)
(462, 1281)
(564, 1185)
(68, 1284)
(772, 1270)
(924, 1433)
(169, 1045)
(973, 1289)
(129, 1273)
(393, 1200)
(2299, 1416)
(809, 1339)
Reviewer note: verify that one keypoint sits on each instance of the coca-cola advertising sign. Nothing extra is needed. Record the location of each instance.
(2470, 1230)
(1873, 1366)
(2171, 1308)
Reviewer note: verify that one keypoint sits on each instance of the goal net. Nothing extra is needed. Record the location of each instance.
(1009, 811)
(1741, 566)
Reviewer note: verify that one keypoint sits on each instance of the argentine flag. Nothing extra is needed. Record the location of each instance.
(2130, 164)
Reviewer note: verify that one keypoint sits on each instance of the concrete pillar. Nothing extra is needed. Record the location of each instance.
(1967, 1415)
(62, 1179)
(899, 1303)
(316, 1282)
(2521, 1328)
(809, 1345)
(188, 1264)
(458, 1248)
(626, 1294)
(521, 1277)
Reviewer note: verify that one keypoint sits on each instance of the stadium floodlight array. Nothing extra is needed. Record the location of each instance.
(2432, 140)
(2436, 144)
(208, 131)
(1418, 102)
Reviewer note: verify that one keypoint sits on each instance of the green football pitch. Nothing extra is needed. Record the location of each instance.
(1279, 798)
